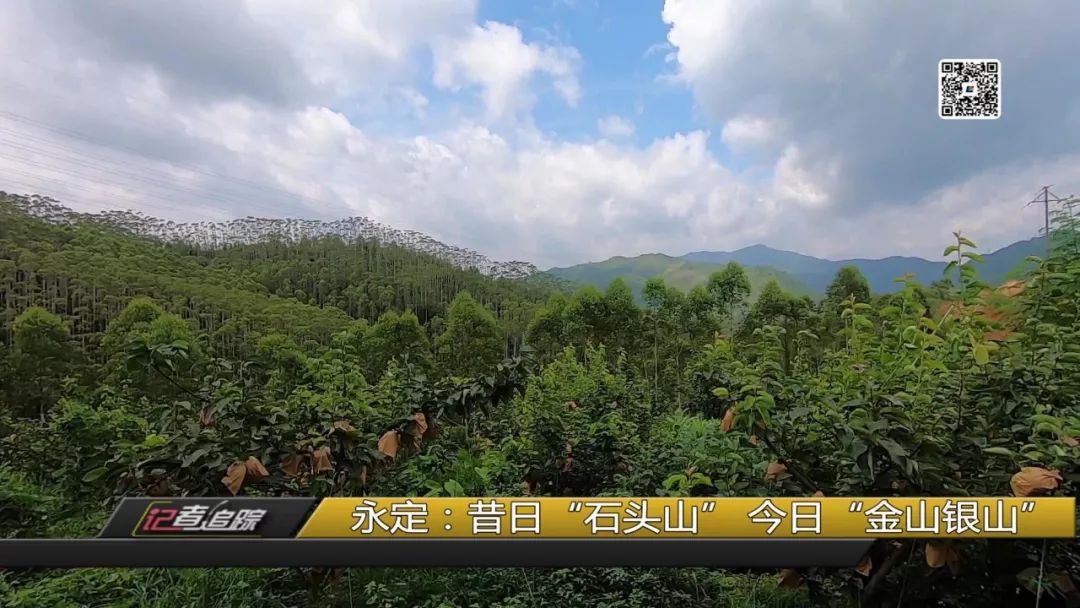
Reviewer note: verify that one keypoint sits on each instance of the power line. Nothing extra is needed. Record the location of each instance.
(66, 189)
(145, 176)
(1047, 198)
(76, 135)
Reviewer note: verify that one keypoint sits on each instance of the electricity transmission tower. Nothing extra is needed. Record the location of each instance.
(1045, 197)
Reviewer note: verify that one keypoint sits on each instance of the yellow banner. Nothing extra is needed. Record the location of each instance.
(655, 517)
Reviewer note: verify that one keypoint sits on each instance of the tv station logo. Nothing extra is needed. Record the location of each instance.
(167, 517)
(207, 517)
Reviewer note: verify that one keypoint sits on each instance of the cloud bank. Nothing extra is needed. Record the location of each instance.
(818, 128)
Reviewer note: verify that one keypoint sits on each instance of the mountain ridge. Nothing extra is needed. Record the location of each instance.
(813, 274)
(249, 230)
(677, 272)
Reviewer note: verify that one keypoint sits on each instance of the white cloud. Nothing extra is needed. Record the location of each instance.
(495, 57)
(158, 128)
(988, 207)
(804, 182)
(354, 46)
(853, 84)
(615, 126)
(749, 133)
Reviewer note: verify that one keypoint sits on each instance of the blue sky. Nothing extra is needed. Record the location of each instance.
(555, 131)
(623, 46)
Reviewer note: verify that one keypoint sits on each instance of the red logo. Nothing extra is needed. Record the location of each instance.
(159, 520)
(198, 519)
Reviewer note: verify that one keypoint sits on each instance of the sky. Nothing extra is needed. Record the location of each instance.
(554, 131)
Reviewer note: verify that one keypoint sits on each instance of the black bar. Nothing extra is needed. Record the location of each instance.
(371, 552)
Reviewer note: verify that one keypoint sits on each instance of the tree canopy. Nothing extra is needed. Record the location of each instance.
(131, 366)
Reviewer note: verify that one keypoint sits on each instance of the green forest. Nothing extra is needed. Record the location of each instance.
(131, 366)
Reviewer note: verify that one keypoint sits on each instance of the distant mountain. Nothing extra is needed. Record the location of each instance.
(1010, 261)
(796, 272)
(678, 272)
(817, 273)
(256, 229)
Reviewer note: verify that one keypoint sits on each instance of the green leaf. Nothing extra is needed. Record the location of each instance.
(95, 474)
(982, 356)
(453, 488)
(675, 480)
(1000, 452)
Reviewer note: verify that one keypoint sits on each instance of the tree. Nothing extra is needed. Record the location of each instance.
(122, 329)
(620, 325)
(393, 336)
(849, 283)
(472, 343)
(548, 331)
(728, 289)
(160, 356)
(42, 356)
(286, 362)
(777, 308)
(587, 317)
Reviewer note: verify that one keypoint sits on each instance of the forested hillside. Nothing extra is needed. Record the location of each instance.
(881, 274)
(322, 366)
(676, 272)
(85, 268)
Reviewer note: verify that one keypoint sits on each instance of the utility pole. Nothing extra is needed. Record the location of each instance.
(1045, 197)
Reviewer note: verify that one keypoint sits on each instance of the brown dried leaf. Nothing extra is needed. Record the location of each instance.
(160, 487)
(388, 443)
(255, 471)
(344, 426)
(865, 566)
(999, 335)
(755, 440)
(775, 470)
(935, 555)
(292, 463)
(569, 463)
(789, 578)
(206, 417)
(819, 494)
(1064, 583)
(571, 405)
(729, 421)
(1072, 442)
(363, 476)
(952, 559)
(940, 554)
(432, 430)
(421, 422)
(234, 477)
(1035, 481)
(320, 461)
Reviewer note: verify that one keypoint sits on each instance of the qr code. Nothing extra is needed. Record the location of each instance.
(969, 89)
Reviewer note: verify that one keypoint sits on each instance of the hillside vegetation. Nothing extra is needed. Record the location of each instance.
(799, 273)
(676, 272)
(132, 365)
